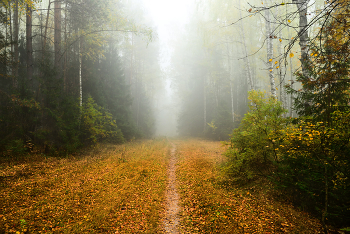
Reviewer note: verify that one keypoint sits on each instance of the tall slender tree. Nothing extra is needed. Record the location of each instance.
(57, 36)
(29, 43)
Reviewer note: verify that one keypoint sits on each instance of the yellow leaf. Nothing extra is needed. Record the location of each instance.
(282, 3)
(311, 54)
(289, 21)
(280, 40)
(315, 55)
(276, 62)
(291, 55)
(271, 70)
(278, 67)
(270, 60)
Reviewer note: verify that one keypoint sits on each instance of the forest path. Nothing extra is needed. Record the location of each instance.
(171, 221)
(136, 188)
(212, 203)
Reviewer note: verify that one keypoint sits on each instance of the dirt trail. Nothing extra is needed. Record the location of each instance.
(171, 221)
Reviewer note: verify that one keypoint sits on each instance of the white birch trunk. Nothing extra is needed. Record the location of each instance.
(229, 64)
(80, 72)
(303, 35)
(281, 71)
(291, 102)
(269, 45)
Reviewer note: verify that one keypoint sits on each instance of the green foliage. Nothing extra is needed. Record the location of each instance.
(97, 124)
(255, 143)
(325, 86)
(15, 147)
(309, 160)
(315, 165)
(110, 90)
(17, 117)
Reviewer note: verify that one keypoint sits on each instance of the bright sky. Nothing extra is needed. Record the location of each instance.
(166, 15)
(166, 11)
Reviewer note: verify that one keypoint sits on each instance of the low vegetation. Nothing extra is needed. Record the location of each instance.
(211, 204)
(306, 158)
(110, 189)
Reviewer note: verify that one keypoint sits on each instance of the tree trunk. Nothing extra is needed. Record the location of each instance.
(229, 64)
(281, 71)
(325, 210)
(232, 107)
(303, 35)
(80, 54)
(57, 36)
(46, 27)
(29, 44)
(65, 82)
(291, 113)
(15, 46)
(204, 104)
(269, 45)
(246, 59)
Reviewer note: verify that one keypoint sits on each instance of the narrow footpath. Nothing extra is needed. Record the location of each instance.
(171, 221)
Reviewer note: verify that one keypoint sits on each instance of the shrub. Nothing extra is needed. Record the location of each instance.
(254, 144)
(97, 124)
(315, 166)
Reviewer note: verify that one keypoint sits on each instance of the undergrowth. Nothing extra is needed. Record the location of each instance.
(112, 189)
(212, 205)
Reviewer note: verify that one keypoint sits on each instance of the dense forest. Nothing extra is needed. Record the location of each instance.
(270, 78)
(74, 73)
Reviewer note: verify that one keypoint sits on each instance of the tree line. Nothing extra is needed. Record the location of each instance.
(72, 75)
(278, 74)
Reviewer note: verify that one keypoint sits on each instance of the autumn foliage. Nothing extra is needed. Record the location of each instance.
(306, 157)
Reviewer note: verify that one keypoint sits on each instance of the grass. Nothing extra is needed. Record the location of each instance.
(212, 206)
(121, 189)
(111, 189)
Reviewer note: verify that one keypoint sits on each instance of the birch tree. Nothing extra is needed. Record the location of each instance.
(303, 35)
(269, 45)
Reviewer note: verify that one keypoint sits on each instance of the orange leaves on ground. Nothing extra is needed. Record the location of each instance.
(119, 189)
(213, 204)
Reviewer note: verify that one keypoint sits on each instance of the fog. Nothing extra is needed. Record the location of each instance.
(151, 67)
(166, 16)
(210, 59)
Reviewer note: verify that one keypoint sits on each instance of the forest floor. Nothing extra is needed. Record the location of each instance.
(153, 186)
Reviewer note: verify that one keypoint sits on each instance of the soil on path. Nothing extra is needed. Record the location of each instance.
(171, 221)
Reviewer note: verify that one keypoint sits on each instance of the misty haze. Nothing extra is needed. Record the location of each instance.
(163, 116)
